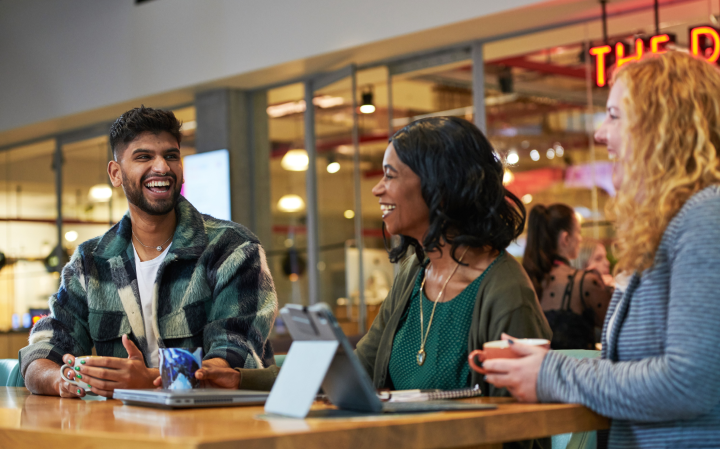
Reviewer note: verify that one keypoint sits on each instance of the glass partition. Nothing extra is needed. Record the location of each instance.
(28, 233)
(541, 112)
(442, 90)
(90, 203)
(286, 251)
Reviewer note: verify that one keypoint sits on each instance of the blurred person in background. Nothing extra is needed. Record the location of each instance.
(593, 256)
(574, 301)
(657, 378)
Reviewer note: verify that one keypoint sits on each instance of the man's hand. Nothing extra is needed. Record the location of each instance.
(519, 376)
(215, 373)
(106, 374)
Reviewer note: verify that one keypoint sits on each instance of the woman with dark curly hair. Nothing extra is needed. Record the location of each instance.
(442, 193)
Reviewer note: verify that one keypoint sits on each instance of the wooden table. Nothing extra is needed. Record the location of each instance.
(45, 422)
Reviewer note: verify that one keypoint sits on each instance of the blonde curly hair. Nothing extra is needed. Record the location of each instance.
(670, 148)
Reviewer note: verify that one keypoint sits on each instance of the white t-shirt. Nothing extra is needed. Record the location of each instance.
(146, 274)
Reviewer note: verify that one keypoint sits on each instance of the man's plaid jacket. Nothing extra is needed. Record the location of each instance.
(213, 290)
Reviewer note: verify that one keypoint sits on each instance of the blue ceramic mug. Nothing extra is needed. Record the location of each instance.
(178, 366)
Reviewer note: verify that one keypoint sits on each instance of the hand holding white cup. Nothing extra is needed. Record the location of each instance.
(83, 387)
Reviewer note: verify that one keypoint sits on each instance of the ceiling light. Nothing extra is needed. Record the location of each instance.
(505, 80)
(101, 193)
(508, 177)
(326, 101)
(333, 167)
(188, 126)
(559, 150)
(295, 160)
(291, 203)
(349, 214)
(367, 109)
(71, 236)
(579, 217)
(527, 198)
(367, 106)
(296, 107)
(535, 155)
(550, 153)
(513, 158)
(281, 110)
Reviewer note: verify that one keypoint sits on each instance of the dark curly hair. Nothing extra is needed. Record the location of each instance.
(139, 120)
(461, 183)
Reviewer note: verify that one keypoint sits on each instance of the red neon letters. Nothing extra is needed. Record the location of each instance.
(620, 58)
(657, 41)
(704, 42)
(599, 53)
(695, 47)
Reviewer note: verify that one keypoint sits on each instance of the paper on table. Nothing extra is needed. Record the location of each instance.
(428, 395)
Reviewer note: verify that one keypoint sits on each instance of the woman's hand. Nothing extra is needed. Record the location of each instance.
(215, 373)
(218, 377)
(519, 376)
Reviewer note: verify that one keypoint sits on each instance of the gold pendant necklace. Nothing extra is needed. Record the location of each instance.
(421, 353)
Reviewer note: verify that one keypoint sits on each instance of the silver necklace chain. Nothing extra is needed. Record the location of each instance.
(157, 248)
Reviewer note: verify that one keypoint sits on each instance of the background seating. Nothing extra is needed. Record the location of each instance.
(10, 373)
(579, 440)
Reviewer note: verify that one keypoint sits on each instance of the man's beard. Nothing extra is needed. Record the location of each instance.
(136, 197)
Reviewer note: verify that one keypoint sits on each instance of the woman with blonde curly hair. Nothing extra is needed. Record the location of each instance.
(658, 375)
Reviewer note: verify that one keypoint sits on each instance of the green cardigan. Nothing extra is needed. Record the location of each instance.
(505, 302)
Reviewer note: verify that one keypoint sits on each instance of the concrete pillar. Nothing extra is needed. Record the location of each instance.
(237, 121)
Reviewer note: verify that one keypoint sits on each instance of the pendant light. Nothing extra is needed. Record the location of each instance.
(367, 106)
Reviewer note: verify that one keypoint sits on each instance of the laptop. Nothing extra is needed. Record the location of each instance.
(347, 385)
(201, 397)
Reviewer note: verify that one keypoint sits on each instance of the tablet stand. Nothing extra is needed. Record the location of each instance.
(300, 378)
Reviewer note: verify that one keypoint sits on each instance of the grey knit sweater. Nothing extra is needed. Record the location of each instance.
(659, 375)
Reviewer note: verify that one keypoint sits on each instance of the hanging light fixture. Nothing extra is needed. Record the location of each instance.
(367, 106)
(295, 160)
(101, 193)
(333, 165)
(291, 203)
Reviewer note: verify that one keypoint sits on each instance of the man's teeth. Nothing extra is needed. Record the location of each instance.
(387, 208)
(157, 184)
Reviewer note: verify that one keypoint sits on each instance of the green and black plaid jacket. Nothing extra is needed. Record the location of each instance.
(213, 290)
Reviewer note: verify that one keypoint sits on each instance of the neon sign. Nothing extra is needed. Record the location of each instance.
(704, 42)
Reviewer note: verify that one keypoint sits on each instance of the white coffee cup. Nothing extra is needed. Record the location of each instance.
(79, 361)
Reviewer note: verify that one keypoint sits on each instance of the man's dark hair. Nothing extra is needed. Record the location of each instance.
(461, 183)
(139, 120)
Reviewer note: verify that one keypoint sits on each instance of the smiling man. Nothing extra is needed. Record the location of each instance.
(164, 276)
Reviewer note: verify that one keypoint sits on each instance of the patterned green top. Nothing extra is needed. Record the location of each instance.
(446, 366)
